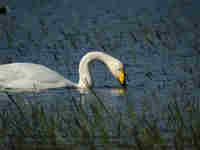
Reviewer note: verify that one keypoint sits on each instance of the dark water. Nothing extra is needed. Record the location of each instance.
(58, 33)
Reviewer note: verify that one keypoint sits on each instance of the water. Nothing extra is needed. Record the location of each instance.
(58, 34)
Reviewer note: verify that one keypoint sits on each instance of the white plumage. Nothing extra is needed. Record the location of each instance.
(28, 76)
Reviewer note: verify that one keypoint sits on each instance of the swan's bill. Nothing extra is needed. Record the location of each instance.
(121, 77)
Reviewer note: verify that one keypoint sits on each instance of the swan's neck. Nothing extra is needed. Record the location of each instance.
(85, 79)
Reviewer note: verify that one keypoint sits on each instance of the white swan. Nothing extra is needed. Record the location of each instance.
(28, 76)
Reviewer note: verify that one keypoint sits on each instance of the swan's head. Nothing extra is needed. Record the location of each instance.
(117, 69)
(114, 65)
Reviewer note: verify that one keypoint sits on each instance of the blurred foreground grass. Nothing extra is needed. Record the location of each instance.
(94, 126)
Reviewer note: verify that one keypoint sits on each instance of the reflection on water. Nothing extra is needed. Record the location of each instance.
(114, 98)
(64, 95)
(113, 91)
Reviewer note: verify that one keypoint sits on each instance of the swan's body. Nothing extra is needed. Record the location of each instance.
(34, 76)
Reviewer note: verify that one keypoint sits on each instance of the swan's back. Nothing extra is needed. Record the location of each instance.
(28, 75)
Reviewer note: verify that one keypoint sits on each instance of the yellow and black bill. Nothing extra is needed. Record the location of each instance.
(121, 77)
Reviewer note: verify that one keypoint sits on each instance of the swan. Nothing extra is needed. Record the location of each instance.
(28, 76)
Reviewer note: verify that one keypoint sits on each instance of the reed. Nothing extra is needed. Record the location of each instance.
(95, 126)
